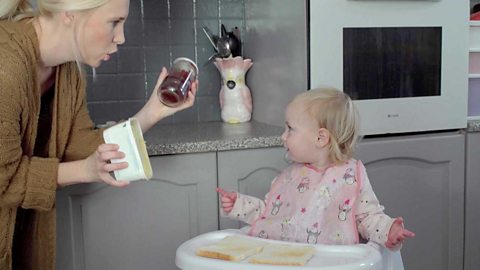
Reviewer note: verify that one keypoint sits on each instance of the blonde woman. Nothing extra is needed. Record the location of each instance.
(47, 139)
(325, 196)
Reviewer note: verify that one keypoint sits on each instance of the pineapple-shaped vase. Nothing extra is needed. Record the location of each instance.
(235, 96)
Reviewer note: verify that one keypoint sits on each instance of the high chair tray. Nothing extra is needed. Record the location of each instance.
(326, 257)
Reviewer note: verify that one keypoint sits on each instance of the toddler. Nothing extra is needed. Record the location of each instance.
(325, 196)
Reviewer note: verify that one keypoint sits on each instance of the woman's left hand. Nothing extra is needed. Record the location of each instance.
(154, 110)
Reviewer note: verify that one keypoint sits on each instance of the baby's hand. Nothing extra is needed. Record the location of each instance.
(397, 233)
(228, 199)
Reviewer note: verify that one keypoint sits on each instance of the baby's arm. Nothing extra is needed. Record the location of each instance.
(241, 207)
(373, 224)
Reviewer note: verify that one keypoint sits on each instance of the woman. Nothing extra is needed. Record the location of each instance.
(47, 139)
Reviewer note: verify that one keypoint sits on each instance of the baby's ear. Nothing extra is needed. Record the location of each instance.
(323, 137)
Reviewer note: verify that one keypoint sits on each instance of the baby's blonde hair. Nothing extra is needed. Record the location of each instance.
(19, 9)
(333, 110)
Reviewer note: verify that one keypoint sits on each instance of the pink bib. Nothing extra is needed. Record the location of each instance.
(309, 206)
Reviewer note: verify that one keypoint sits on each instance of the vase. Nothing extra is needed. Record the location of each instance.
(235, 97)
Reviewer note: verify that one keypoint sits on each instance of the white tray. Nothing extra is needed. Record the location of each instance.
(326, 257)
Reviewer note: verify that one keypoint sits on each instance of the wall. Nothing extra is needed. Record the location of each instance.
(158, 31)
(276, 40)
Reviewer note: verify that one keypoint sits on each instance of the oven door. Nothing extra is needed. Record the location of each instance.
(405, 63)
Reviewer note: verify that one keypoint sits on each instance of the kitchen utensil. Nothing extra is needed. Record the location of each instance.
(212, 38)
(234, 43)
(173, 90)
(223, 46)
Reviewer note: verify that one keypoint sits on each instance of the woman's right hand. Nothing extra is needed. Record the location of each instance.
(98, 166)
(228, 199)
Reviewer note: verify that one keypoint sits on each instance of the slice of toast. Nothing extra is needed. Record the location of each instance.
(284, 254)
(232, 248)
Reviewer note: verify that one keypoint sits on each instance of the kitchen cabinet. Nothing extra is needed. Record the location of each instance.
(249, 172)
(141, 226)
(418, 177)
(472, 201)
(421, 178)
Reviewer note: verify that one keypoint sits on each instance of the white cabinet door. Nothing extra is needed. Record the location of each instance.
(139, 226)
(249, 172)
(472, 204)
(421, 178)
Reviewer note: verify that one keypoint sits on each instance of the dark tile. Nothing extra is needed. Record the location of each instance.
(183, 51)
(157, 32)
(130, 60)
(130, 87)
(189, 115)
(152, 79)
(135, 11)
(208, 109)
(182, 31)
(156, 58)
(181, 9)
(206, 9)
(101, 112)
(155, 9)
(98, 87)
(119, 87)
(209, 81)
(167, 120)
(133, 33)
(232, 9)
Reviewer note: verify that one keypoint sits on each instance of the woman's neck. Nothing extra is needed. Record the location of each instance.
(53, 39)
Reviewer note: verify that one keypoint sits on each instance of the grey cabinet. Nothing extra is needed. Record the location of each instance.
(249, 172)
(472, 214)
(140, 226)
(421, 178)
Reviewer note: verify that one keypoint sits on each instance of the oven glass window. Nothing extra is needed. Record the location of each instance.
(392, 62)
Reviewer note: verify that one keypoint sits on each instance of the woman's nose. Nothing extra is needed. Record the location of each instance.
(119, 38)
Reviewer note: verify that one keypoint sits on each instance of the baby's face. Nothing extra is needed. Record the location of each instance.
(300, 137)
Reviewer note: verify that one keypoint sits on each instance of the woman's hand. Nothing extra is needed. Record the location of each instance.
(98, 166)
(397, 233)
(154, 110)
(228, 199)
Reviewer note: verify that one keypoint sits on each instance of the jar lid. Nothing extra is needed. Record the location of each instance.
(181, 61)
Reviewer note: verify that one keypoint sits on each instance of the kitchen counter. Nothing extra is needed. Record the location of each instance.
(210, 137)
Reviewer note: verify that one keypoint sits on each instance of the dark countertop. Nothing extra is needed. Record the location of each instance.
(210, 136)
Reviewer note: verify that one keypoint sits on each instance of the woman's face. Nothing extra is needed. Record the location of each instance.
(100, 31)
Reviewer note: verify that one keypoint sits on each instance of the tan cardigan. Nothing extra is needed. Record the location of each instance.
(27, 181)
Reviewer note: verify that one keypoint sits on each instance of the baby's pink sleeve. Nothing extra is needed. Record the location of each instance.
(246, 208)
(372, 223)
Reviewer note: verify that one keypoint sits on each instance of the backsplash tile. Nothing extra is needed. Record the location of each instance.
(156, 32)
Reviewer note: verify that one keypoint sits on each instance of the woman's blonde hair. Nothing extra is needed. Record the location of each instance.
(334, 111)
(19, 9)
